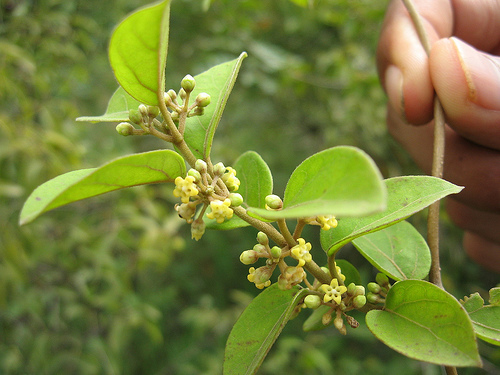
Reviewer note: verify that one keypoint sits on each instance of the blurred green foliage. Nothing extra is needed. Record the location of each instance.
(110, 285)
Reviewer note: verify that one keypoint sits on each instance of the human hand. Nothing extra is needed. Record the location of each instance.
(464, 70)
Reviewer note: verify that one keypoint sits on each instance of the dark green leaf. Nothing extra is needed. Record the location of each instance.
(139, 169)
(424, 322)
(138, 52)
(258, 328)
(406, 196)
(218, 83)
(118, 106)
(399, 251)
(341, 181)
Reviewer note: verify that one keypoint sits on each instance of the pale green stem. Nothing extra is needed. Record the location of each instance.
(286, 233)
(317, 272)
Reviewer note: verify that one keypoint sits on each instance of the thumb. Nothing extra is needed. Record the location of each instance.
(467, 81)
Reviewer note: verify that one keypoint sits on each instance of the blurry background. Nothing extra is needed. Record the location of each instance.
(113, 285)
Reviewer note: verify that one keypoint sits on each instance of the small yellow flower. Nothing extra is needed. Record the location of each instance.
(327, 222)
(333, 291)
(301, 252)
(220, 210)
(185, 188)
(251, 277)
(232, 182)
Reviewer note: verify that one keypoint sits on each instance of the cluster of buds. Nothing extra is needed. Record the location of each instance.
(201, 188)
(178, 103)
(377, 291)
(144, 116)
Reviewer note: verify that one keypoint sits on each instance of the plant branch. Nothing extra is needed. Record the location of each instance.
(286, 233)
(267, 228)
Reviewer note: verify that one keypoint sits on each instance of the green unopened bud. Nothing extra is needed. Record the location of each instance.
(182, 94)
(262, 238)
(188, 83)
(203, 99)
(374, 288)
(153, 111)
(382, 279)
(201, 166)
(359, 301)
(219, 169)
(372, 298)
(262, 274)
(236, 199)
(197, 229)
(194, 173)
(249, 257)
(360, 290)
(351, 289)
(172, 94)
(143, 110)
(125, 128)
(276, 252)
(134, 116)
(274, 202)
(175, 116)
(312, 301)
(198, 111)
(326, 270)
(260, 249)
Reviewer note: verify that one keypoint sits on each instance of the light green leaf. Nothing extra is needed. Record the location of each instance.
(218, 82)
(485, 319)
(424, 322)
(406, 196)
(341, 181)
(138, 52)
(399, 251)
(138, 169)
(258, 328)
(256, 183)
(118, 106)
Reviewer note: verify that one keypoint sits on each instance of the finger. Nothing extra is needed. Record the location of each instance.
(482, 251)
(467, 82)
(466, 164)
(402, 62)
(484, 224)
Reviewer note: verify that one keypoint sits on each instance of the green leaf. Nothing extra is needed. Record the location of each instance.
(406, 196)
(139, 169)
(341, 181)
(424, 322)
(256, 183)
(485, 319)
(258, 328)
(138, 52)
(399, 251)
(218, 82)
(118, 106)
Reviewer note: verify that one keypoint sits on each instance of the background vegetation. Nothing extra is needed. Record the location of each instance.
(112, 285)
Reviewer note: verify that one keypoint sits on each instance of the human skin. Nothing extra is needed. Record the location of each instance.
(463, 69)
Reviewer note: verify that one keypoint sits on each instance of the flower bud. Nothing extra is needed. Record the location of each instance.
(249, 257)
(197, 229)
(372, 298)
(374, 288)
(338, 322)
(274, 202)
(263, 274)
(201, 166)
(153, 111)
(198, 111)
(125, 128)
(134, 116)
(360, 290)
(262, 238)
(312, 301)
(351, 289)
(182, 94)
(194, 173)
(359, 301)
(172, 94)
(326, 318)
(188, 83)
(276, 252)
(219, 169)
(326, 270)
(382, 279)
(260, 249)
(175, 116)
(236, 199)
(143, 110)
(203, 99)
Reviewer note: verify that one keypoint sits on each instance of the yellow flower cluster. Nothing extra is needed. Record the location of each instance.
(301, 252)
(327, 221)
(185, 188)
(220, 210)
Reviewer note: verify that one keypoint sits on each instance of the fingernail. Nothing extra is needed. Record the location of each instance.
(482, 75)
(394, 87)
